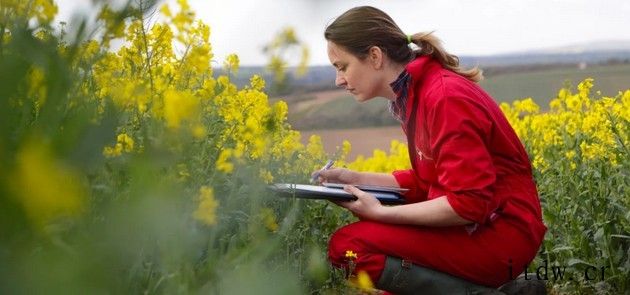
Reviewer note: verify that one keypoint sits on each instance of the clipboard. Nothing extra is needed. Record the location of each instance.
(306, 191)
(370, 188)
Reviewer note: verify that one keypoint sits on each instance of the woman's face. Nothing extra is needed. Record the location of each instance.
(359, 77)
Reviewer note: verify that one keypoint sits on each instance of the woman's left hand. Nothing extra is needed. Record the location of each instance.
(366, 206)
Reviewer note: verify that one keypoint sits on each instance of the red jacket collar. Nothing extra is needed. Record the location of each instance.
(420, 67)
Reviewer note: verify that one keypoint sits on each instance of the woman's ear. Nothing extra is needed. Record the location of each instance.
(376, 55)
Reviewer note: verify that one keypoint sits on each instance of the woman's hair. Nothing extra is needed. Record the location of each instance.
(360, 28)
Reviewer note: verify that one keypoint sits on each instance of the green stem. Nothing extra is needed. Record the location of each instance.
(2, 28)
(145, 44)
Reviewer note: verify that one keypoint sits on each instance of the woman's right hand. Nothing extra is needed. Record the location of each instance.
(339, 175)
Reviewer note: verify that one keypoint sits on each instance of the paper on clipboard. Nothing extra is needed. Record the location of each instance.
(306, 191)
(364, 187)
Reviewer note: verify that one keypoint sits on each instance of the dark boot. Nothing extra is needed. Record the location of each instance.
(523, 286)
(402, 277)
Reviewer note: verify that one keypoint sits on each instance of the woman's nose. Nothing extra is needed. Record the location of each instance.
(340, 81)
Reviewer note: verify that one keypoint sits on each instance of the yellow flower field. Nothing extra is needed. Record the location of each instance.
(141, 169)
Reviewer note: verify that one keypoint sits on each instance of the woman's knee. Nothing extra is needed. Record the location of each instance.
(340, 242)
(353, 237)
(349, 244)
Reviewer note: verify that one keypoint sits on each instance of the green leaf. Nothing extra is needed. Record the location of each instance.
(561, 248)
(575, 261)
(599, 235)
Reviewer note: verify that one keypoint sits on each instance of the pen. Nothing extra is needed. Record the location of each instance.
(326, 167)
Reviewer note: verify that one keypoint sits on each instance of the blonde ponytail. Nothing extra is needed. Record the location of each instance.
(430, 45)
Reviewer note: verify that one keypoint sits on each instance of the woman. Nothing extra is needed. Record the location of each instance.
(472, 209)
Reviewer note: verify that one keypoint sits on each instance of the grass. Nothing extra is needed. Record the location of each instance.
(343, 112)
(543, 85)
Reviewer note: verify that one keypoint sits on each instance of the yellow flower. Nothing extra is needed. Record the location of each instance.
(48, 10)
(257, 83)
(198, 131)
(277, 66)
(302, 67)
(363, 281)
(380, 161)
(206, 211)
(112, 151)
(346, 147)
(184, 18)
(124, 143)
(280, 111)
(179, 106)
(165, 10)
(593, 151)
(231, 63)
(199, 59)
(526, 105)
(45, 187)
(269, 219)
(574, 103)
(571, 127)
(288, 34)
(43, 11)
(223, 163)
(266, 176)
(585, 86)
(37, 85)
(315, 146)
(350, 254)
(555, 105)
(207, 88)
(540, 163)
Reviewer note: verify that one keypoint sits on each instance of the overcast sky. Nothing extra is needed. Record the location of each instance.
(480, 27)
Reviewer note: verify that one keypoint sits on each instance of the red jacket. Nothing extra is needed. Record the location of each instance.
(462, 146)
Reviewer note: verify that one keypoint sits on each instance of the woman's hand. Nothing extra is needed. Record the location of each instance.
(366, 206)
(338, 175)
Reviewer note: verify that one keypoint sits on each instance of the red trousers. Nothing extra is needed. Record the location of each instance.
(491, 255)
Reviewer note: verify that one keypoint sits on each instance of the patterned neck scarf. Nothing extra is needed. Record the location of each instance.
(398, 107)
